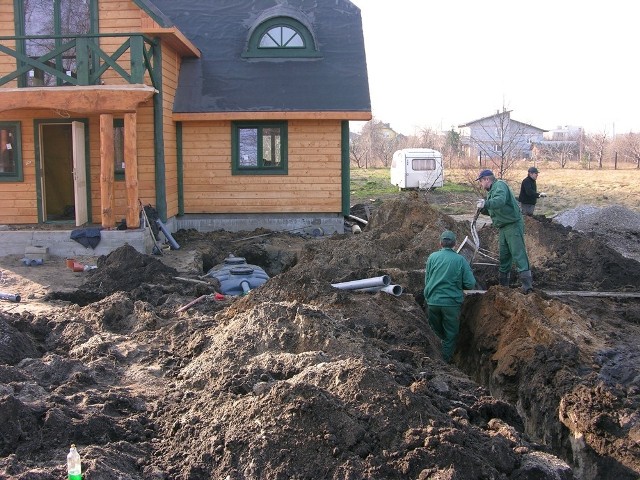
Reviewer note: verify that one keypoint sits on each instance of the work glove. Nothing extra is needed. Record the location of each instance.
(542, 194)
(480, 204)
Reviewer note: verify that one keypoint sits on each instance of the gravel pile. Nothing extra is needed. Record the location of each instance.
(615, 218)
(617, 226)
(569, 218)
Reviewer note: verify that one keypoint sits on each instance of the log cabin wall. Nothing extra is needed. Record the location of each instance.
(19, 198)
(313, 183)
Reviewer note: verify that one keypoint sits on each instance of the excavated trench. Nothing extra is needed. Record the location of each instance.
(561, 360)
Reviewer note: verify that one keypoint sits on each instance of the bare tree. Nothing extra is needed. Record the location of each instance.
(631, 147)
(595, 146)
(358, 150)
(382, 142)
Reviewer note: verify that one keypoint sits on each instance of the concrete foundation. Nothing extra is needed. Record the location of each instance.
(59, 243)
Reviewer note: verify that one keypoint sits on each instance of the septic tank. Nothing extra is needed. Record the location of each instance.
(237, 277)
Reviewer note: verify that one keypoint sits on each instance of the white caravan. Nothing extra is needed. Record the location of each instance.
(417, 168)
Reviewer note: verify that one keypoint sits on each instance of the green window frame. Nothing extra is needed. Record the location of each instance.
(10, 152)
(118, 148)
(259, 148)
(281, 37)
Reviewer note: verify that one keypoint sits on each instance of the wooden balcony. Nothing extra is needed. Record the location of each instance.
(79, 75)
(80, 61)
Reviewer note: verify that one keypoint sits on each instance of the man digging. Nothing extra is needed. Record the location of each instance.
(502, 206)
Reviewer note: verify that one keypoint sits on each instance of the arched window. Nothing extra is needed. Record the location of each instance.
(281, 37)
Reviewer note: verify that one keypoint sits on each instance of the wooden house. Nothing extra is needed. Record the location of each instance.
(225, 114)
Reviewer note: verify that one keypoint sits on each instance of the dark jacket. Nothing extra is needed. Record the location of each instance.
(528, 191)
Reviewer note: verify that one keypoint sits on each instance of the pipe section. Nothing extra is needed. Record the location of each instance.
(395, 290)
(381, 281)
(10, 297)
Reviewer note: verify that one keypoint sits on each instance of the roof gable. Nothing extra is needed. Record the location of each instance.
(496, 116)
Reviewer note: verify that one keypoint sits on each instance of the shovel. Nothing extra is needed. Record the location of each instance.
(469, 248)
(474, 231)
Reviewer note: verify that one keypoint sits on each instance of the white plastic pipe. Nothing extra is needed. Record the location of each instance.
(381, 281)
(395, 290)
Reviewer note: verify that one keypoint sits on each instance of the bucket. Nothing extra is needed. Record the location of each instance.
(70, 262)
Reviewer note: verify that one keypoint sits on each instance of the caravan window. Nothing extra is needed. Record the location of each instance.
(420, 164)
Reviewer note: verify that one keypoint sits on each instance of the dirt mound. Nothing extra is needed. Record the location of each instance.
(299, 379)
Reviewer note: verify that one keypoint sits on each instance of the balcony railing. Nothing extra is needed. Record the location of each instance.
(79, 60)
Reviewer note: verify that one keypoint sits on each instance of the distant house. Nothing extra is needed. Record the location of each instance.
(498, 135)
(561, 144)
(221, 114)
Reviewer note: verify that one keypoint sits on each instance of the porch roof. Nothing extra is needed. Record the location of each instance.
(78, 99)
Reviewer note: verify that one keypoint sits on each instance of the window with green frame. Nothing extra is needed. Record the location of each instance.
(118, 148)
(10, 152)
(281, 37)
(259, 148)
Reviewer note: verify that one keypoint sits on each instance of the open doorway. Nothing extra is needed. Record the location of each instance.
(63, 173)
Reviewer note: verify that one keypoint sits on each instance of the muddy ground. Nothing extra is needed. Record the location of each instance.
(300, 380)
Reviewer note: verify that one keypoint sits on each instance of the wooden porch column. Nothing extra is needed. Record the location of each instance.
(131, 170)
(107, 167)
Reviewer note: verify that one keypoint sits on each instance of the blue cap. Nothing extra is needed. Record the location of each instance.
(485, 173)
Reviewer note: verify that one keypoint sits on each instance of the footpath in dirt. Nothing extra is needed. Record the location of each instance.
(300, 380)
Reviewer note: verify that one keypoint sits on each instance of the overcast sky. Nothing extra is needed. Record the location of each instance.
(552, 62)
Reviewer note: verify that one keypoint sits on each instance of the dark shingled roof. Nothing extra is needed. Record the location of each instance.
(223, 81)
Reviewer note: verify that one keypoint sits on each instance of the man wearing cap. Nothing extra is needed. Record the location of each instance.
(505, 215)
(447, 274)
(529, 192)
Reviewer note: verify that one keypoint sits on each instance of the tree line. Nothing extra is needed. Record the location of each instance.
(374, 145)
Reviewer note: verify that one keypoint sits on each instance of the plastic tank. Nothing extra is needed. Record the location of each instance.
(237, 277)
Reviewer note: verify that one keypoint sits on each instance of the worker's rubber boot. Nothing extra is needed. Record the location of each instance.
(527, 281)
(505, 279)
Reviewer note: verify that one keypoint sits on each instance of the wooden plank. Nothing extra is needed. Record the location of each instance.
(592, 294)
(131, 170)
(85, 100)
(345, 115)
(106, 171)
(574, 293)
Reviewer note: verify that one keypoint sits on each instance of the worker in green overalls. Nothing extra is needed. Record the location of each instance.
(502, 206)
(446, 275)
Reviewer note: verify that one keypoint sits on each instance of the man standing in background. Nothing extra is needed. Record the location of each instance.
(529, 192)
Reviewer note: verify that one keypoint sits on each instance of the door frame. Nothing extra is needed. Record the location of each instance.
(37, 145)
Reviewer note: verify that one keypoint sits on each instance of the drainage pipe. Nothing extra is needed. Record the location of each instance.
(10, 297)
(395, 290)
(381, 281)
(246, 286)
(167, 234)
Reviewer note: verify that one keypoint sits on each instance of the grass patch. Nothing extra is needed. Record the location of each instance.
(370, 182)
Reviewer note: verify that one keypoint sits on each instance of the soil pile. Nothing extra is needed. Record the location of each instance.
(300, 380)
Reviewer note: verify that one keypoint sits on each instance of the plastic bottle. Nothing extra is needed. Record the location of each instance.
(73, 464)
